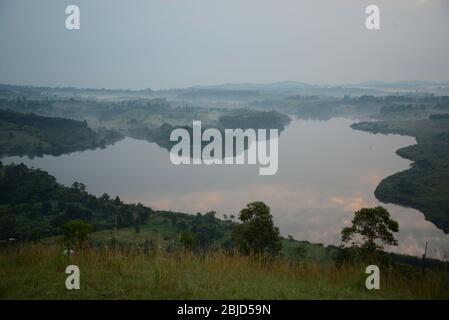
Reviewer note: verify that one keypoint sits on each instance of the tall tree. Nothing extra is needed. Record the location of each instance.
(372, 229)
(257, 233)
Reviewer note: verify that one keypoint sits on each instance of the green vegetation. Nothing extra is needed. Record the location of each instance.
(76, 233)
(148, 119)
(232, 119)
(364, 241)
(424, 116)
(29, 134)
(138, 253)
(179, 256)
(245, 118)
(371, 229)
(257, 233)
(37, 272)
(33, 205)
(425, 185)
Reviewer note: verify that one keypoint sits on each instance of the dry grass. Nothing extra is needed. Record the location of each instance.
(38, 272)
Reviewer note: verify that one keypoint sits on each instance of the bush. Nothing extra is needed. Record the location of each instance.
(76, 233)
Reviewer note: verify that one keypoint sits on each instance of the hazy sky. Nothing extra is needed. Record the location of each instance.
(179, 43)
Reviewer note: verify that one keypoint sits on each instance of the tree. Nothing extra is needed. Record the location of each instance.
(82, 187)
(206, 229)
(188, 241)
(137, 223)
(105, 197)
(139, 217)
(299, 252)
(371, 230)
(76, 233)
(257, 233)
(79, 186)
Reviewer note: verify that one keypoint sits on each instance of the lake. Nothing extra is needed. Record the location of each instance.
(326, 171)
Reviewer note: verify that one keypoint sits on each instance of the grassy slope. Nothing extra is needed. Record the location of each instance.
(162, 232)
(425, 186)
(37, 272)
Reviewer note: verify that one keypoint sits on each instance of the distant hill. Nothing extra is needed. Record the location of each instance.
(287, 87)
(278, 87)
(403, 85)
(237, 91)
(218, 94)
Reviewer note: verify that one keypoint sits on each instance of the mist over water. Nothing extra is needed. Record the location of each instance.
(326, 172)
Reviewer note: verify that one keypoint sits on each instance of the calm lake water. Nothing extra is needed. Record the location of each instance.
(326, 172)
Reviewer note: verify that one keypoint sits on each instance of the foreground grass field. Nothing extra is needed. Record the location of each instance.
(38, 272)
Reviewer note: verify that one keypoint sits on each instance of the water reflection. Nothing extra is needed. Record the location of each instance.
(326, 172)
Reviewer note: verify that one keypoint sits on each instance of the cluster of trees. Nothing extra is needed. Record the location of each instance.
(402, 108)
(401, 99)
(34, 205)
(444, 116)
(372, 229)
(30, 134)
(131, 109)
(203, 232)
(242, 119)
(256, 234)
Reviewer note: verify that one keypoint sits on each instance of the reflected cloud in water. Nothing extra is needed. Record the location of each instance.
(326, 172)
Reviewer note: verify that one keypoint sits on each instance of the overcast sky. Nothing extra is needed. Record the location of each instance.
(179, 43)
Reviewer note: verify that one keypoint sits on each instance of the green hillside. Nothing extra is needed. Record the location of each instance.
(33, 135)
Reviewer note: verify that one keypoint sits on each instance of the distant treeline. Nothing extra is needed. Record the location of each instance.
(244, 119)
(444, 116)
(220, 94)
(392, 99)
(33, 135)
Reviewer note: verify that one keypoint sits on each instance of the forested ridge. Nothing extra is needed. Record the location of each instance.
(34, 135)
